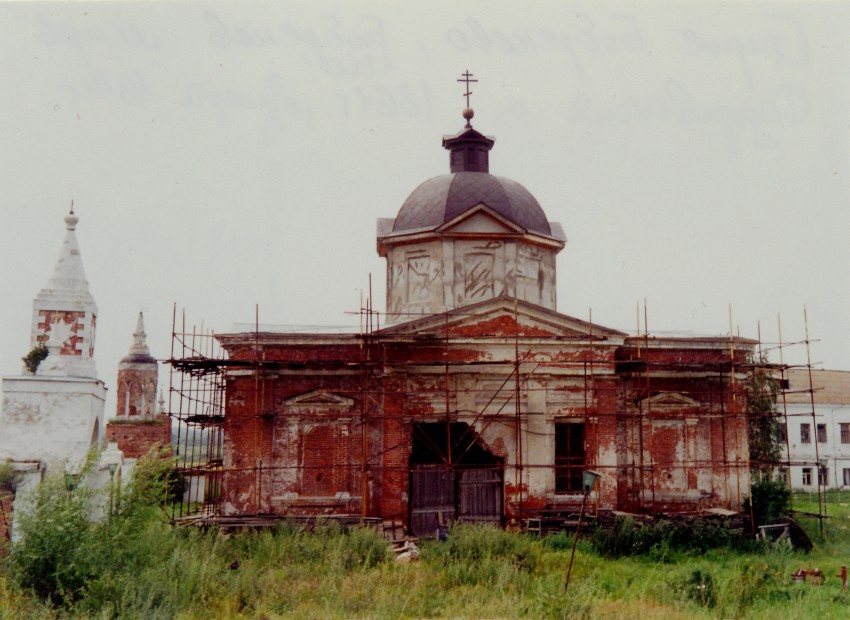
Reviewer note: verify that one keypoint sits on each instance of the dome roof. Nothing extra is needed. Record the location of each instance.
(138, 358)
(443, 198)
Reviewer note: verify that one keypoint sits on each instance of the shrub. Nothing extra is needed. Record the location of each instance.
(770, 499)
(7, 476)
(53, 557)
(620, 540)
(662, 538)
(64, 556)
(35, 357)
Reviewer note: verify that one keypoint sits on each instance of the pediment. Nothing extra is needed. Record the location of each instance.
(481, 219)
(468, 135)
(666, 401)
(319, 398)
(503, 317)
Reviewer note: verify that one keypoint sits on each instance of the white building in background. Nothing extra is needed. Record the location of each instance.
(54, 416)
(819, 444)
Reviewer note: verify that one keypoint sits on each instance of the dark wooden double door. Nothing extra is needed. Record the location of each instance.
(440, 494)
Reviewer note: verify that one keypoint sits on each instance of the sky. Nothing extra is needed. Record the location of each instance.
(224, 158)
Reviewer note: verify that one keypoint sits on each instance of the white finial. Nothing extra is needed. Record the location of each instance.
(71, 219)
(140, 345)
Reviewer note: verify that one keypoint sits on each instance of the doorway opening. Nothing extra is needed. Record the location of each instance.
(453, 477)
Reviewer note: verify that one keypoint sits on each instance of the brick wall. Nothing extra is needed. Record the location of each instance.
(284, 457)
(136, 438)
(7, 499)
(136, 389)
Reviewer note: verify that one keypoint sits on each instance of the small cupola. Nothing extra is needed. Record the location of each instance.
(469, 150)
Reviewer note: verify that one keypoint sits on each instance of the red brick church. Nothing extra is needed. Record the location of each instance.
(476, 399)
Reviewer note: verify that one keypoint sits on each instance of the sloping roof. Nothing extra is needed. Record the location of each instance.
(830, 386)
(492, 314)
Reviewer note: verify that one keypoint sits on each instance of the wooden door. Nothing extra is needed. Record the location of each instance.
(480, 496)
(432, 499)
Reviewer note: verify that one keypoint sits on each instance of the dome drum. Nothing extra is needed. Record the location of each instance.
(468, 236)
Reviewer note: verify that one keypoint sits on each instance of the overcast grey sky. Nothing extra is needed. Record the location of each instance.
(227, 155)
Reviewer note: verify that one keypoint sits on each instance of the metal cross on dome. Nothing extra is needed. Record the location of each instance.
(467, 77)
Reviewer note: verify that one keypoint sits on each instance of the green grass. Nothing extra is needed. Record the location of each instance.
(135, 567)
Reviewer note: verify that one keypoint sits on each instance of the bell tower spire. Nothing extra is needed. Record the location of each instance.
(64, 312)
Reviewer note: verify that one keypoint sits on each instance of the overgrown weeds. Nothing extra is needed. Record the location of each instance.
(483, 554)
(664, 539)
(131, 565)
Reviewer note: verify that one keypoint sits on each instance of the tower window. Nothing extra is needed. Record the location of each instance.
(805, 433)
(821, 433)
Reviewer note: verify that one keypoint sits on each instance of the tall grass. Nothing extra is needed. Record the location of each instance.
(133, 566)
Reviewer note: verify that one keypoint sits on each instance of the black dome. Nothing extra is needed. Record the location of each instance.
(443, 198)
(138, 358)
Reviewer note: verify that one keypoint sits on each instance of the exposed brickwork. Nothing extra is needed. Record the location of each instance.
(663, 419)
(136, 390)
(75, 322)
(138, 426)
(499, 326)
(7, 499)
(136, 438)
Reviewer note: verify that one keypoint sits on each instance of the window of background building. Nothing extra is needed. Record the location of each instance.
(807, 476)
(847, 476)
(782, 431)
(845, 432)
(821, 433)
(806, 434)
(823, 476)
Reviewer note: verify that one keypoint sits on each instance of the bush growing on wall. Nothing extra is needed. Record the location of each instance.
(35, 357)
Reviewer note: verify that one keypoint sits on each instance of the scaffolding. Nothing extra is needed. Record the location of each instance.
(197, 376)
(200, 369)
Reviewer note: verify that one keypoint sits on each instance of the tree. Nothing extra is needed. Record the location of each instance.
(765, 437)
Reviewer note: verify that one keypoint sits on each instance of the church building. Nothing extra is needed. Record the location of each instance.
(475, 399)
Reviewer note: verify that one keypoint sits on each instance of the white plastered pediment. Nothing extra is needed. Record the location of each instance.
(319, 398)
(667, 401)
